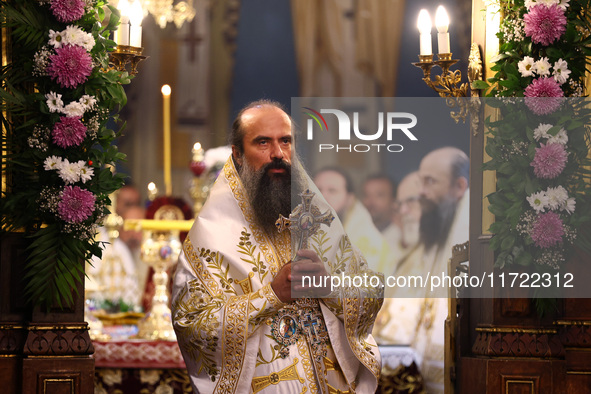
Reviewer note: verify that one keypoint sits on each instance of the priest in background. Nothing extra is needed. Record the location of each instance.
(240, 320)
(336, 187)
(444, 198)
(379, 197)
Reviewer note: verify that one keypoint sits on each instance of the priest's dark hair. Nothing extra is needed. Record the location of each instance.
(237, 132)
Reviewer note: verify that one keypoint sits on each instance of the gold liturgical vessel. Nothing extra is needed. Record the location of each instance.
(160, 249)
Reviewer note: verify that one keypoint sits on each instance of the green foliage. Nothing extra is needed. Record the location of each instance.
(514, 139)
(59, 247)
(515, 45)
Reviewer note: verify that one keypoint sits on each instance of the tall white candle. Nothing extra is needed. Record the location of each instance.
(442, 24)
(166, 91)
(136, 14)
(121, 36)
(424, 26)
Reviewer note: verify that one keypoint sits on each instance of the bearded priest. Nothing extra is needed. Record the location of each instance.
(245, 317)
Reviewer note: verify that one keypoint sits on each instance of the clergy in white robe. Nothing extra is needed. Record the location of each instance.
(238, 328)
(444, 197)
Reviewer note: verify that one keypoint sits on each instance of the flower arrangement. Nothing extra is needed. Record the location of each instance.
(59, 100)
(539, 144)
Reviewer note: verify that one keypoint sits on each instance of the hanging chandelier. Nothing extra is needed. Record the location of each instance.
(165, 11)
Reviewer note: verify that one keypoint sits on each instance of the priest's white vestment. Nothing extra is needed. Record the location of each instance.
(236, 336)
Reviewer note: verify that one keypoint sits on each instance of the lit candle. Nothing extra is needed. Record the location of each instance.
(424, 25)
(198, 152)
(122, 33)
(136, 14)
(166, 117)
(152, 191)
(442, 23)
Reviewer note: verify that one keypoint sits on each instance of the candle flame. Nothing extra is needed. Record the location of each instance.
(136, 13)
(441, 19)
(424, 22)
(166, 90)
(124, 8)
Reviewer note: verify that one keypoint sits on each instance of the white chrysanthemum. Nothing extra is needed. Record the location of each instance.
(85, 172)
(74, 109)
(52, 163)
(74, 35)
(87, 101)
(560, 138)
(69, 172)
(87, 41)
(530, 3)
(557, 196)
(527, 66)
(569, 205)
(548, 3)
(54, 101)
(563, 4)
(56, 38)
(538, 201)
(542, 131)
(561, 71)
(542, 67)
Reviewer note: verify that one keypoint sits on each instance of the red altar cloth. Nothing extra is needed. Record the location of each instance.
(138, 353)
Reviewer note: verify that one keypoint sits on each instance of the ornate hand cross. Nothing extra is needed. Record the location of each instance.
(304, 221)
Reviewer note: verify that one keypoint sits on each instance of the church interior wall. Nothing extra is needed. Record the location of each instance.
(265, 66)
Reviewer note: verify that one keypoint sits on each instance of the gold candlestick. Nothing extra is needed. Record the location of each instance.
(160, 249)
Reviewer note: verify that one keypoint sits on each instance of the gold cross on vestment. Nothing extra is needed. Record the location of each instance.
(304, 221)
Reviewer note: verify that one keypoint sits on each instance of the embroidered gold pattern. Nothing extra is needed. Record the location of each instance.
(287, 373)
(234, 343)
(351, 307)
(246, 283)
(269, 294)
(196, 323)
(199, 269)
(330, 365)
(332, 390)
(307, 364)
(275, 262)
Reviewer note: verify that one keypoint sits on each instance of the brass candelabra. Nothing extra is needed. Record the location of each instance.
(445, 84)
(126, 55)
(448, 83)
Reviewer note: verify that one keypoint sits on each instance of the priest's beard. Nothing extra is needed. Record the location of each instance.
(436, 221)
(410, 232)
(269, 195)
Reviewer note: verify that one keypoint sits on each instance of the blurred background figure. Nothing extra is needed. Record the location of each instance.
(337, 188)
(409, 212)
(128, 196)
(379, 197)
(133, 240)
(119, 275)
(444, 200)
(397, 320)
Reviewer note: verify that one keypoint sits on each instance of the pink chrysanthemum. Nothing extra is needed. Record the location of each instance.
(549, 160)
(76, 204)
(547, 230)
(545, 24)
(70, 66)
(543, 96)
(67, 11)
(68, 132)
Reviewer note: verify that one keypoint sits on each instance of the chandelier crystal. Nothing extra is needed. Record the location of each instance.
(165, 11)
